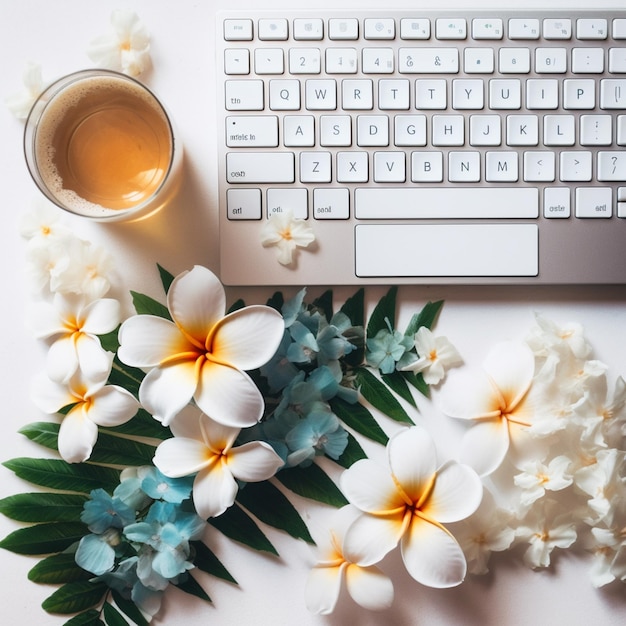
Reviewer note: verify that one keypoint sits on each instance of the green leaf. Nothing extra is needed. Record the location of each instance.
(354, 308)
(57, 569)
(377, 394)
(145, 305)
(237, 525)
(43, 433)
(384, 310)
(358, 417)
(166, 278)
(130, 609)
(110, 341)
(417, 380)
(57, 474)
(142, 425)
(191, 586)
(236, 306)
(276, 301)
(114, 450)
(397, 382)
(43, 507)
(426, 317)
(312, 482)
(206, 561)
(75, 597)
(45, 538)
(125, 376)
(325, 304)
(269, 505)
(88, 618)
(352, 453)
(112, 616)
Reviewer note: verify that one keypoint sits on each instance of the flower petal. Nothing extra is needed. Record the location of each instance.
(147, 340)
(49, 396)
(469, 395)
(485, 445)
(77, 436)
(112, 406)
(165, 391)
(511, 366)
(229, 396)
(254, 461)
(413, 461)
(369, 538)
(186, 423)
(432, 556)
(101, 316)
(180, 456)
(214, 490)
(62, 359)
(370, 487)
(457, 493)
(249, 337)
(93, 360)
(369, 587)
(322, 589)
(197, 301)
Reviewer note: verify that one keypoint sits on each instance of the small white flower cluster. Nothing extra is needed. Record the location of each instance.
(567, 481)
(71, 278)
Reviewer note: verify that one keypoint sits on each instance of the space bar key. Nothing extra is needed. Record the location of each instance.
(446, 203)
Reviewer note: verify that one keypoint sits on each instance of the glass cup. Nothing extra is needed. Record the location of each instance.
(100, 144)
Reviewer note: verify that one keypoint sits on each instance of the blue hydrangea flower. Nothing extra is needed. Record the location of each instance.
(332, 341)
(386, 348)
(103, 511)
(320, 433)
(160, 487)
(96, 553)
(279, 370)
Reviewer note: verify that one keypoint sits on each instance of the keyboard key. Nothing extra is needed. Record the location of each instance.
(485, 130)
(308, 29)
(594, 202)
(315, 167)
(446, 203)
(357, 94)
(236, 61)
(244, 95)
(377, 61)
(539, 166)
(424, 250)
(426, 167)
(238, 30)
(343, 29)
(299, 131)
(284, 95)
(588, 60)
(592, 28)
(243, 204)
(524, 28)
(596, 130)
(502, 167)
(514, 61)
(542, 93)
(273, 29)
(451, 28)
(617, 60)
(448, 130)
(321, 95)
(379, 28)
(478, 60)
(245, 131)
(285, 199)
(619, 28)
(410, 130)
(551, 60)
(341, 61)
(428, 60)
(372, 130)
(613, 93)
(269, 61)
(576, 166)
(389, 167)
(305, 61)
(490, 28)
(556, 202)
(336, 130)
(393, 94)
(559, 130)
(468, 94)
(331, 204)
(352, 167)
(414, 28)
(260, 167)
(579, 94)
(464, 167)
(612, 166)
(431, 94)
(505, 94)
(557, 28)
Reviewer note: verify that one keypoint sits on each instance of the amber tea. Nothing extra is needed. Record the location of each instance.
(101, 145)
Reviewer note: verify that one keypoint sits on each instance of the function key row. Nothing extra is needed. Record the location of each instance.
(346, 29)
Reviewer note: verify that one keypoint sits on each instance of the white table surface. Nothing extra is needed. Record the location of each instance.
(56, 34)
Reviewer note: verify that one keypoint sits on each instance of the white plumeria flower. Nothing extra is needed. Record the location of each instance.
(485, 531)
(126, 49)
(202, 353)
(46, 265)
(436, 355)
(609, 555)
(203, 446)
(287, 234)
(549, 337)
(408, 503)
(21, 103)
(43, 225)
(604, 481)
(74, 324)
(92, 404)
(536, 477)
(367, 585)
(497, 400)
(546, 528)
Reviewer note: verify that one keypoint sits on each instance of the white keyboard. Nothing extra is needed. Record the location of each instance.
(424, 147)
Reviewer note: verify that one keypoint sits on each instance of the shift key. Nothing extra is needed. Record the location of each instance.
(260, 167)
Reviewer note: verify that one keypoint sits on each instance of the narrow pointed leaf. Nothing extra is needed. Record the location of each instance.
(75, 597)
(379, 396)
(417, 380)
(114, 450)
(426, 317)
(58, 569)
(43, 507)
(145, 305)
(398, 384)
(88, 618)
(206, 561)
(130, 609)
(325, 304)
(352, 453)
(358, 417)
(276, 301)
(43, 433)
(236, 524)
(166, 278)
(384, 310)
(142, 425)
(126, 376)
(45, 538)
(312, 482)
(191, 586)
(354, 308)
(269, 505)
(57, 474)
(109, 341)
(113, 616)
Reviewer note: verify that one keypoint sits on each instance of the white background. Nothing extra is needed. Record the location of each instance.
(56, 34)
